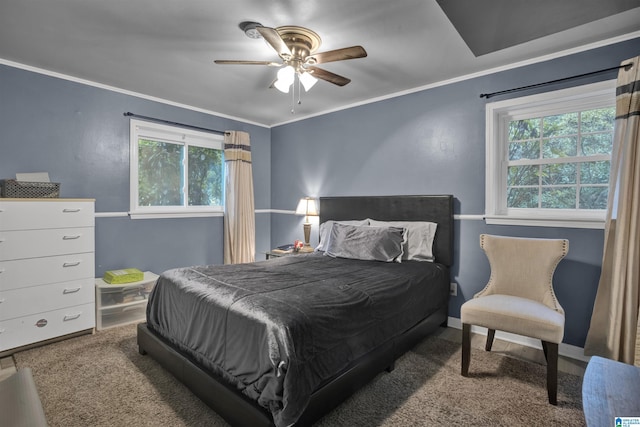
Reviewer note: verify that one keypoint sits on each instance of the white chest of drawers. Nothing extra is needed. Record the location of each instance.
(47, 270)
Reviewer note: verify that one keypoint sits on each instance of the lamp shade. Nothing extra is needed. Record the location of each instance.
(307, 206)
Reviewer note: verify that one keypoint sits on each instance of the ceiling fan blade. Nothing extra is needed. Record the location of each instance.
(236, 62)
(352, 52)
(273, 38)
(319, 73)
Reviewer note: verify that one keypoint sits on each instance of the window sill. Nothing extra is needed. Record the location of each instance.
(157, 215)
(594, 223)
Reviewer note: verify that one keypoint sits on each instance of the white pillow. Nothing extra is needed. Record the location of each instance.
(325, 231)
(420, 235)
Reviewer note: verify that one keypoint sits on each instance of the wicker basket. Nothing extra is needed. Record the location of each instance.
(31, 190)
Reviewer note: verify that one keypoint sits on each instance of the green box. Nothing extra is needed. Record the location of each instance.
(126, 275)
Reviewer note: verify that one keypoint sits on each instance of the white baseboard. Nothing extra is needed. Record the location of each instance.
(566, 350)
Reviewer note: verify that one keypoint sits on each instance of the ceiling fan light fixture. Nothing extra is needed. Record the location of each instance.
(281, 86)
(286, 76)
(307, 80)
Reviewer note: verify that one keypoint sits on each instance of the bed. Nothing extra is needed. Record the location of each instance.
(289, 357)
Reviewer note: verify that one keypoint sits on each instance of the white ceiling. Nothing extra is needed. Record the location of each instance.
(165, 48)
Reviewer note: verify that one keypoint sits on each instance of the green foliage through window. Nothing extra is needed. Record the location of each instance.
(160, 173)
(560, 161)
(177, 169)
(205, 176)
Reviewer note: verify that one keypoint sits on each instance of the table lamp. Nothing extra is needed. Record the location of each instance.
(307, 207)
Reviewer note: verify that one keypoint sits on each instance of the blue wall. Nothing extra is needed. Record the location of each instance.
(433, 142)
(429, 142)
(79, 135)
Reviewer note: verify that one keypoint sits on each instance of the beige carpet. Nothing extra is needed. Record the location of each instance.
(101, 380)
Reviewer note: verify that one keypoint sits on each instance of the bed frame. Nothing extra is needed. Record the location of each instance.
(237, 409)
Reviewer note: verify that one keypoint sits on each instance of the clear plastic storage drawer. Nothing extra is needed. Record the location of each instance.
(123, 303)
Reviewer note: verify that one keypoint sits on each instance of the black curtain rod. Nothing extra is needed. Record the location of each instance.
(219, 132)
(489, 95)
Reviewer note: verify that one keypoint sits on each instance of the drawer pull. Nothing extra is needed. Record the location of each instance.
(77, 236)
(70, 291)
(71, 264)
(70, 210)
(71, 316)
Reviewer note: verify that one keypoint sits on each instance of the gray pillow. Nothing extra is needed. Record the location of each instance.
(420, 236)
(366, 243)
(325, 230)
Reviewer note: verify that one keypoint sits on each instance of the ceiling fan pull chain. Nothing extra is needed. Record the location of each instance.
(293, 98)
(299, 90)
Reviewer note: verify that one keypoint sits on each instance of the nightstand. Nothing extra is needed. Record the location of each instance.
(274, 253)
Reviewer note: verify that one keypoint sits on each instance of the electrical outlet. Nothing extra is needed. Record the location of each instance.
(453, 289)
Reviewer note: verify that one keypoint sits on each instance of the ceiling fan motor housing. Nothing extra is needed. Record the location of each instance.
(301, 42)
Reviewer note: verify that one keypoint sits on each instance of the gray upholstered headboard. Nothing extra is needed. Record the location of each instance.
(437, 209)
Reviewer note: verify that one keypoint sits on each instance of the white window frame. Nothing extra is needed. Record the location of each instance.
(498, 116)
(177, 135)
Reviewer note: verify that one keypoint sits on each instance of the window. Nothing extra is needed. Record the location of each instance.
(548, 157)
(175, 171)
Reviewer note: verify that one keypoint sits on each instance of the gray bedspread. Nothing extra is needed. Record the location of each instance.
(277, 329)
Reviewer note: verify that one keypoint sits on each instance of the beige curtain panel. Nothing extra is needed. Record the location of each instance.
(239, 212)
(614, 331)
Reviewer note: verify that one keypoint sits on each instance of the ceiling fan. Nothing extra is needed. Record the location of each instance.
(296, 47)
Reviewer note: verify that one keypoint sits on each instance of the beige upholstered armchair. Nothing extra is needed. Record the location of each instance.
(519, 298)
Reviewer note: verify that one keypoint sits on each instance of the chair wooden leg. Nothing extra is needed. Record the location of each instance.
(546, 352)
(552, 371)
(466, 348)
(491, 333)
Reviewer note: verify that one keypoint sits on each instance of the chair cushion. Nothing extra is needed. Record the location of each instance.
(516, 315)
(20, 405)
